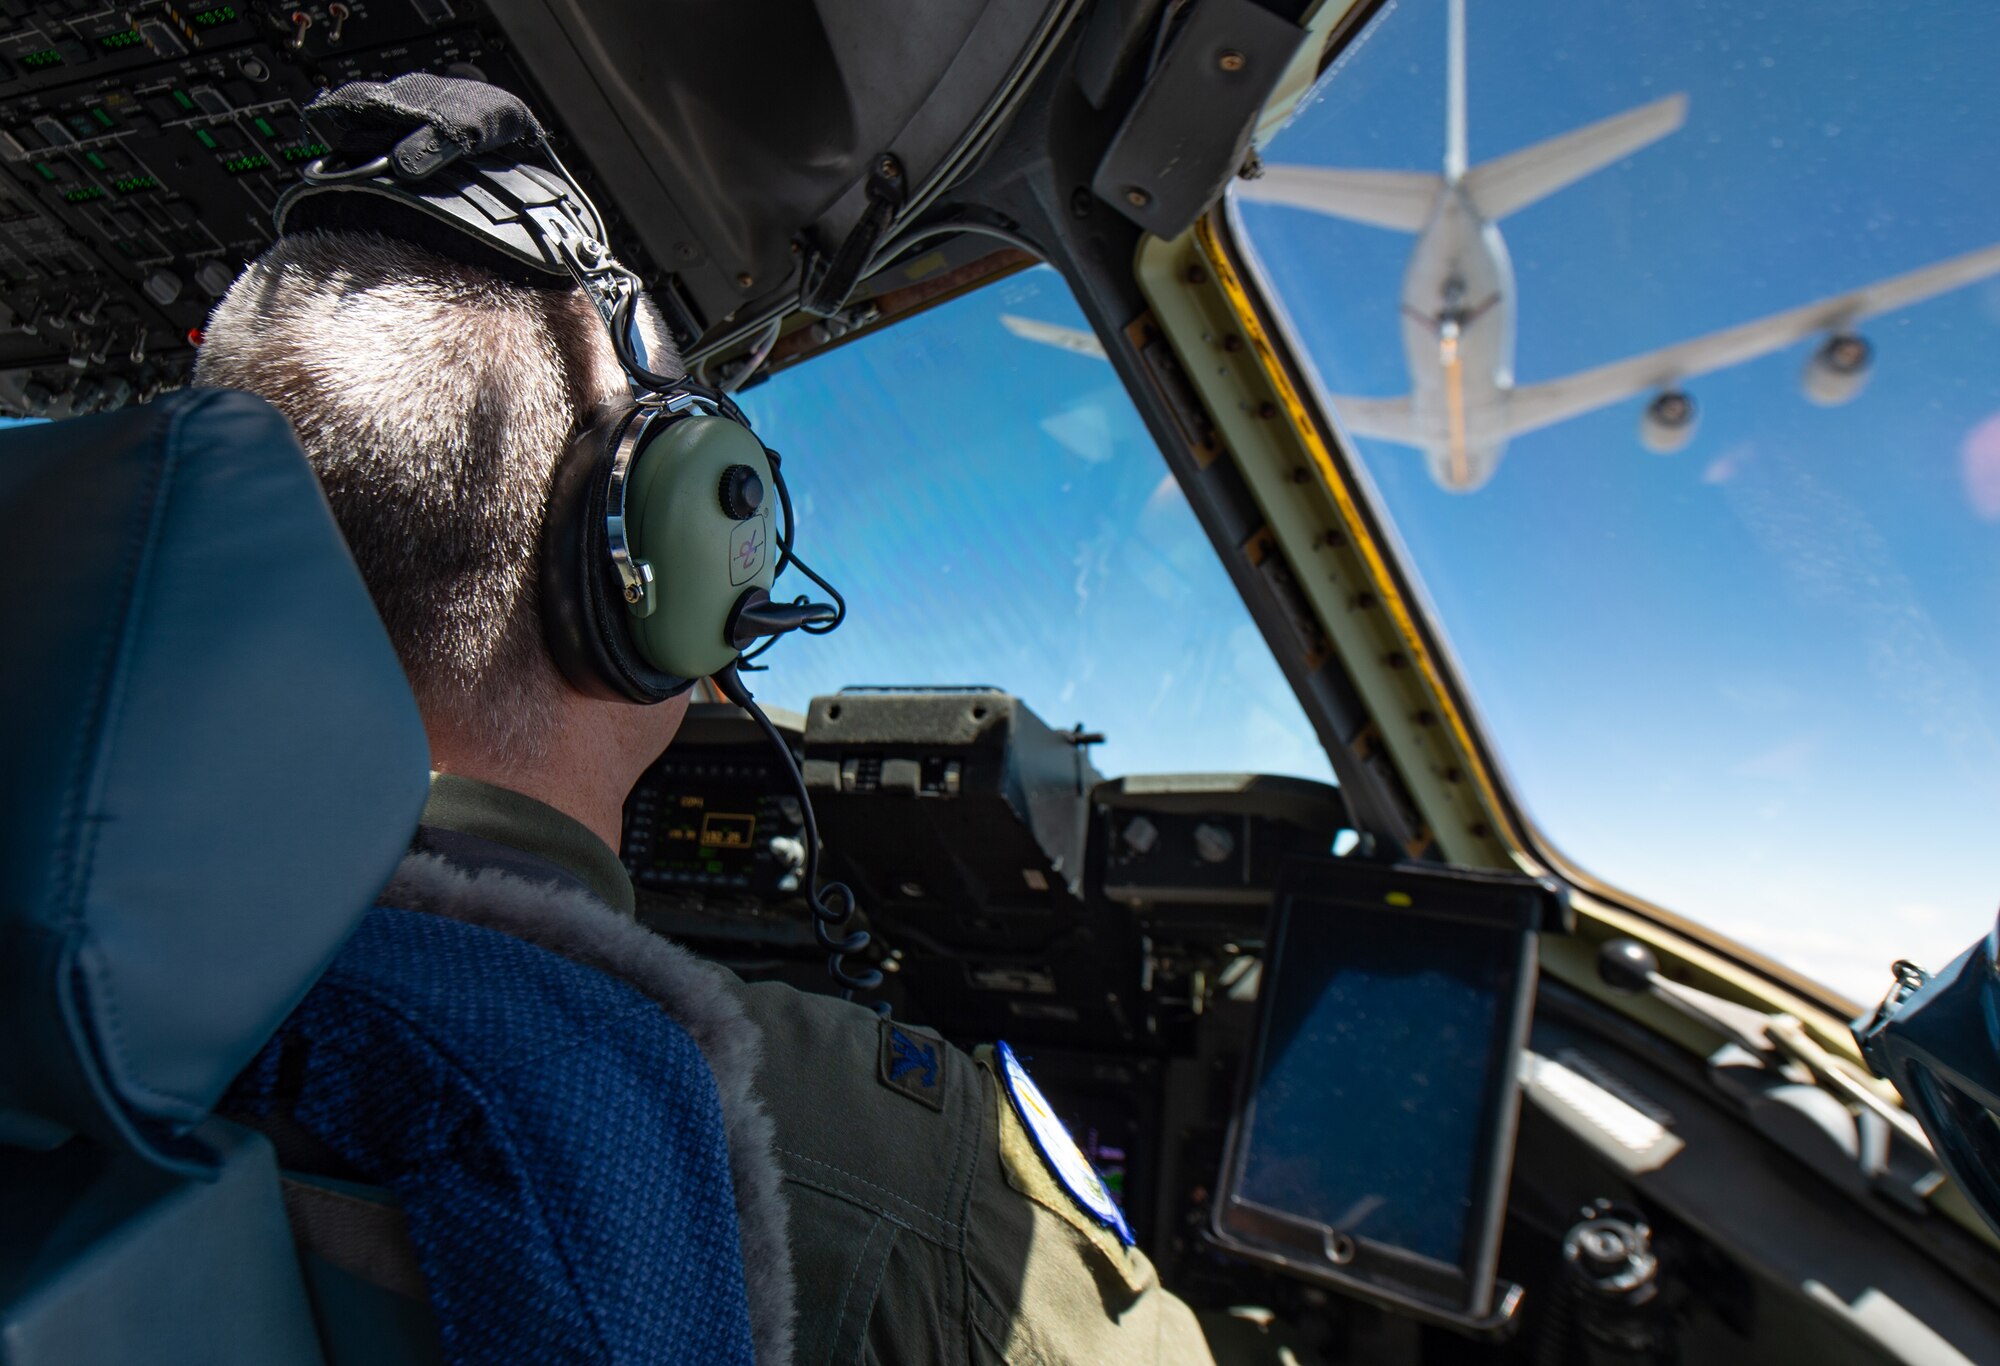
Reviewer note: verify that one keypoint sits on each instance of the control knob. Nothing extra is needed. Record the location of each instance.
(162, 287)
(742, 492)
(214, 277)
(1213, 843)
(1140, 835)
(788, 852)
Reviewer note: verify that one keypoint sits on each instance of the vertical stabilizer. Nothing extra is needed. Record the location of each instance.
(1454, 94)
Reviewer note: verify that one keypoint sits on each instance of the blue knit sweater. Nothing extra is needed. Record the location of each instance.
(554, 1137)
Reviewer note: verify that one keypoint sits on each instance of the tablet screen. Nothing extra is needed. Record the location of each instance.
(1378, 1064)
(1374, 1131)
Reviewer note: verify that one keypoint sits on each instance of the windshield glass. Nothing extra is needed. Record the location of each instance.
(1752, 677)
(988, 500)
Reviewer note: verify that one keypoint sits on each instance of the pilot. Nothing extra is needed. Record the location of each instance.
(892, 1200)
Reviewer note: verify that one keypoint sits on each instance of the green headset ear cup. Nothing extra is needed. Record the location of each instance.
(703, 559)
(583, 610)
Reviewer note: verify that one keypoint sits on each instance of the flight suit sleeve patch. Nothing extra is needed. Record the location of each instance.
(1027, 1173)
(1060, 1155)
(912, 1064)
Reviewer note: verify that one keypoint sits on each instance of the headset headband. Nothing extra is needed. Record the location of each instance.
(528, 215)
(449, 152)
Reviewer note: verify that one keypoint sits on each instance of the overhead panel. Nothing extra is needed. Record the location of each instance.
(142, 148)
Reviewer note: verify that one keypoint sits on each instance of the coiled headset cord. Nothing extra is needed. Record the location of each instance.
(832, 905)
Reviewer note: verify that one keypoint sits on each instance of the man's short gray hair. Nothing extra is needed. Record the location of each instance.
(434, 400)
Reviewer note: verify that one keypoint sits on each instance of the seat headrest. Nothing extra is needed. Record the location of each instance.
(210, 761)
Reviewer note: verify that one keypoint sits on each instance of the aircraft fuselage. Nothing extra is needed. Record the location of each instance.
(1458, 340)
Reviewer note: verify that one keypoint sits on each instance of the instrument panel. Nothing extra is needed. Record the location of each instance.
(1009, 889)
(142, 148)
(1113, 932)
(1007, 894)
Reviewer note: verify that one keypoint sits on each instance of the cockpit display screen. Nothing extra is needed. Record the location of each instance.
(1372, 1143)
(698, 833)
(712, 825)
(726, 830)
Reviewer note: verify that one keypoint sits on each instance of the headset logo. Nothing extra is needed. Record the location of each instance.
(747, 547)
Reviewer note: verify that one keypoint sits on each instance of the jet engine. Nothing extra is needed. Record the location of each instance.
(1837, 369)
(1668, 423)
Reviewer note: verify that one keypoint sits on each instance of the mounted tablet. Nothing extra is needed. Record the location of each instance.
(1374, 1136)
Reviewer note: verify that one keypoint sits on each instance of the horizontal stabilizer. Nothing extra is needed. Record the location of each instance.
(1514, 181)
(1073, 339)
(1383, 199)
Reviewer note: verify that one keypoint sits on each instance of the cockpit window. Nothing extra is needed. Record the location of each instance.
(977, 483)
(1665, 335)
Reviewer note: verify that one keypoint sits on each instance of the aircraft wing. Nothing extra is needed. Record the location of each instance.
(1386, 419)
(1075, 339)
(1383, 199)
(1531, 406)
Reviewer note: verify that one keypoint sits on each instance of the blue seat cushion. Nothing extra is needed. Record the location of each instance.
(204, 721)
(554, 1137)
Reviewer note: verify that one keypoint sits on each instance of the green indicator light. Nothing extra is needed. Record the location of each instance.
(96, 161)
(264, 127)
(181, 98)
(123, 39)
(42, 60)
(87, 192)
(48, 171)
(207, 138)
(221, 14)
(131, 183)
(101, 117)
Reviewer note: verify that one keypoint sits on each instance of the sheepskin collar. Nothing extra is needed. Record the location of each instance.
(568, 921)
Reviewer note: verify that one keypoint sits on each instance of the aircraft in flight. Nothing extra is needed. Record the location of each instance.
(1458, 298)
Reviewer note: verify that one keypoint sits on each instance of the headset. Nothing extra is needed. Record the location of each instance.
(668, 520)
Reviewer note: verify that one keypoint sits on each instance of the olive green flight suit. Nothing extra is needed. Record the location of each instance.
(925, 1225)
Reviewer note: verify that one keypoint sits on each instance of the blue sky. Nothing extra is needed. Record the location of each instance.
(996, 513)
(1754, 681)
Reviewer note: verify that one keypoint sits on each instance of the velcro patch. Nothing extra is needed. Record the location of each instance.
(913, 1064)
(1065, 1161)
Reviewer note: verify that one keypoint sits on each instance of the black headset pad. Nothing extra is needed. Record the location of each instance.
(583, 605)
